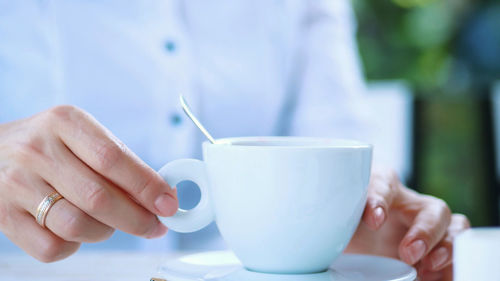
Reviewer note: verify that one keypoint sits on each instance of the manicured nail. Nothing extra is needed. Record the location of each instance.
(439, 257)
(379, 216)
(415, 251)
(166, 205)
(158, 231)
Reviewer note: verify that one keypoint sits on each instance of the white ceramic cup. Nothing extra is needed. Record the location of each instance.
(282, 204)
(476, 254)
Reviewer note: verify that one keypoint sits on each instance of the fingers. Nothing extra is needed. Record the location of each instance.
(21, 228)
(441, 255)
(431, 276)
(383, 188)
(63, 219)
(104, 185)
(97, 197)
(428, 219)
(71, 224)
(106, 155)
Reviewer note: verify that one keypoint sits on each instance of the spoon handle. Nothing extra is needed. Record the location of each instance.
(195, 120)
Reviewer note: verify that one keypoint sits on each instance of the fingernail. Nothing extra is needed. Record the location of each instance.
(439, 257)
(158, 231)
(415, 251)
(166, 205)
(379, 216)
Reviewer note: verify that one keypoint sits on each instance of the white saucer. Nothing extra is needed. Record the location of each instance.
(224, 266)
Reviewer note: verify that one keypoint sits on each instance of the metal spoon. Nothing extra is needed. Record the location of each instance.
(195, 120)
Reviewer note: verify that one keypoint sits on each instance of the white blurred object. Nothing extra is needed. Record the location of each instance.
(476, 255)
(392, 118)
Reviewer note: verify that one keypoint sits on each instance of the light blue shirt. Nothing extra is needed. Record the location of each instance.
(260, 67)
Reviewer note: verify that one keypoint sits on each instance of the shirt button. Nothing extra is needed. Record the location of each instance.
(175, 119)
(170, 46)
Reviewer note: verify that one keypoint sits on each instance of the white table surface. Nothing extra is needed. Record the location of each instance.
(91, 265)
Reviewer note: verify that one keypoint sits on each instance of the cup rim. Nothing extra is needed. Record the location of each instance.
(305, 142)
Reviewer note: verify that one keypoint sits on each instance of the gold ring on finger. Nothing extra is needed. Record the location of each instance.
(44, 207)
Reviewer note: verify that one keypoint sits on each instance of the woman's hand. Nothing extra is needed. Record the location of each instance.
(104, 185)
(401, 223)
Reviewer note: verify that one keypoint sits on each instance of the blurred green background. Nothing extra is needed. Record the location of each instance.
(449, 52)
